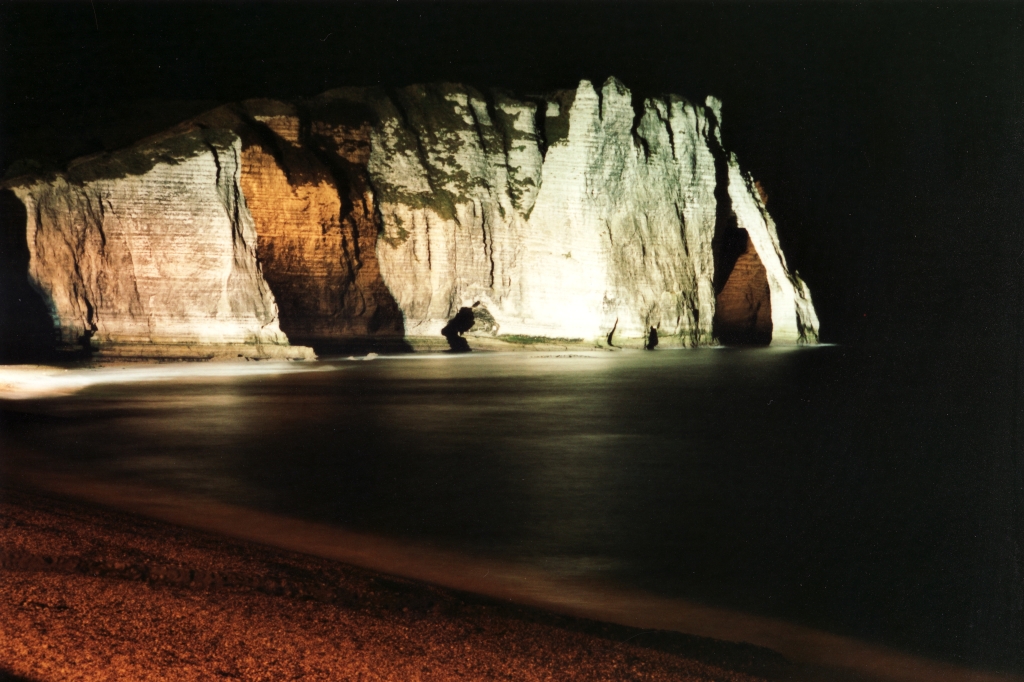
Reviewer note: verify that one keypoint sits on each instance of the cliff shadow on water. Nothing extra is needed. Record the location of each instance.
(26, 328)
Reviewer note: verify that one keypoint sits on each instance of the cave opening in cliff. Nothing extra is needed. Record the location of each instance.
(743, 307)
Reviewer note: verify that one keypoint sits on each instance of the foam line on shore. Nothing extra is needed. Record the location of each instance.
(20, 382)
(511, 582)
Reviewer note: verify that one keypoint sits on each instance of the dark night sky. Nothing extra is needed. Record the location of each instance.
(887, 135)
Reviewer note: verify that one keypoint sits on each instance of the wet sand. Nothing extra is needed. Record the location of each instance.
(92, 594)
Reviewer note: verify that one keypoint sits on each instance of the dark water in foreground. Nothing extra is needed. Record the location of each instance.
(866, 495)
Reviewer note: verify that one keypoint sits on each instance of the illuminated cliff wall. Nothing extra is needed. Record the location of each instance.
(149, 252)
(369, 217)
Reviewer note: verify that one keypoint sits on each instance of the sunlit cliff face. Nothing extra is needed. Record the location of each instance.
(164, 256)
(362, 216)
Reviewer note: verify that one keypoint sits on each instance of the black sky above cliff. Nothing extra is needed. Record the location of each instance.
(888, 136)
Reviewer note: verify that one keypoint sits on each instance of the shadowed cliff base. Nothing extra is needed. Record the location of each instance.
(652, 339)
(307, 189)
(743, 307)
(382, 345)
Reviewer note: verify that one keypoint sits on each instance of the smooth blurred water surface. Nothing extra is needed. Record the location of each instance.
(865, 494)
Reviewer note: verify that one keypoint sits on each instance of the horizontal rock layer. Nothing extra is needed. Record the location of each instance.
(152, 249)
(370, 217)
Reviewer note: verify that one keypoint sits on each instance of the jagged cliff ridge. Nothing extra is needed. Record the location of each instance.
(372, 216)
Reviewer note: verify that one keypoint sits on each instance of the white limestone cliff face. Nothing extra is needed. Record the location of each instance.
(571, 216)
(151, 252)
(367, 218)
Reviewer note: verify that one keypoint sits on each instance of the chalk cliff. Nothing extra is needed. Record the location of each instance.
(150, 252)
(370, 217)
(579, 214)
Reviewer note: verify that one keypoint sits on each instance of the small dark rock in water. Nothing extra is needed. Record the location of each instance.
(652, 339)
(456, 327)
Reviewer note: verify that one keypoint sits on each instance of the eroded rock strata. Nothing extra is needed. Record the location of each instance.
(151, 252)
(308, 193)
(370, 217)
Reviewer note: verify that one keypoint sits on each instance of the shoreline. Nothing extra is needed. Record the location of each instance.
(93, 594)
(812, 655)
(57, 379)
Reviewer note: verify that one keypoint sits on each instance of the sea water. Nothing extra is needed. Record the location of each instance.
(864, 493)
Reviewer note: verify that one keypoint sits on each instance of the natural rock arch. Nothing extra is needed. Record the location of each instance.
(743, 306)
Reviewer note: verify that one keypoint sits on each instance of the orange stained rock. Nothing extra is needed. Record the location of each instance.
(743, 309)
(317, 241)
